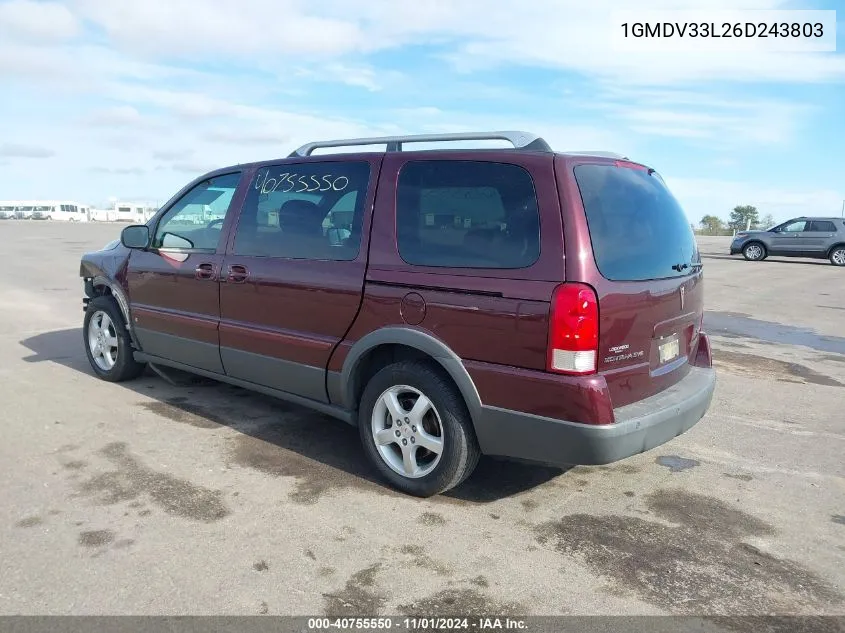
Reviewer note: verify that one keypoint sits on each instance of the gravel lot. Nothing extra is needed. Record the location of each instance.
(144, 498)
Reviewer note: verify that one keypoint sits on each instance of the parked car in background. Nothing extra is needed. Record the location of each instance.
(515, 302)
(7, 211)
(814, 237)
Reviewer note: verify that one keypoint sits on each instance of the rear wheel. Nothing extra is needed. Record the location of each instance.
(416, 429)
(754, 252)
(107, 343)
(837, 256)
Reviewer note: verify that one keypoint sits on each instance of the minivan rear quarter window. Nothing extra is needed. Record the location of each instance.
(637, 228)
(467, 214)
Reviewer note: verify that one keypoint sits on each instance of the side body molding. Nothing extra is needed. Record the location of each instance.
(419, 340)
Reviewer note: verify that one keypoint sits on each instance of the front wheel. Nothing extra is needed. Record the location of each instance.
(837, 256)
(416, 429)
(754, 252)
(107, 343)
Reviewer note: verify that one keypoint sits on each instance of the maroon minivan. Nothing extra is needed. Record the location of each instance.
(450, 303)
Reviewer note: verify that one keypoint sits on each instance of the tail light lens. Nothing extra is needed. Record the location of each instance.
(573, 330)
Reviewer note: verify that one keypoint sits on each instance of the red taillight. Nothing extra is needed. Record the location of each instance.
(573, 330)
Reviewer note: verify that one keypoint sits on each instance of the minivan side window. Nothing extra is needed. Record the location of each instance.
(467, 214)
(194, 222)
(638, 229)
(304, 211)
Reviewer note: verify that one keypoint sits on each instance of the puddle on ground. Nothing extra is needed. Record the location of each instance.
(419, 558)
(701, 564)
(739, 476)
(736, 324)
(29, 522)
(457, 603)
(95, 538)
(676, 464)
(358, 597)
(762, 367)
(133, 479)
(431, 519)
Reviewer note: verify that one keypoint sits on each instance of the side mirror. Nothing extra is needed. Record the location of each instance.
(135, 236)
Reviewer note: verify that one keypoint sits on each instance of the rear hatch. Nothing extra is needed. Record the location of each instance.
(647, 277)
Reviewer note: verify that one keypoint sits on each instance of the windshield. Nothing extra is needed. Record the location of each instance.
(637, 228)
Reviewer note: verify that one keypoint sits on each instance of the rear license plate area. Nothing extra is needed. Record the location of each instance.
(668, 349)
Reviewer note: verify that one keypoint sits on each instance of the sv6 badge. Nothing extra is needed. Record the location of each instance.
(621, 357)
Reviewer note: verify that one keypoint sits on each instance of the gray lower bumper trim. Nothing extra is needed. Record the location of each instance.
(639, 427)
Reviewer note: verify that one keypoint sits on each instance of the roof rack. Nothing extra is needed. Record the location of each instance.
(599, 154)
(519, 140)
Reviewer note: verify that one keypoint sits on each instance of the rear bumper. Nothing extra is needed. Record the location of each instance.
(639, 427)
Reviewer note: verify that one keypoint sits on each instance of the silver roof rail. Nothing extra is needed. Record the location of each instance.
(519, 140)
(598, 154)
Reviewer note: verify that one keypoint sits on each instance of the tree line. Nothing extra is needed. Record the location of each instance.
(740, 216)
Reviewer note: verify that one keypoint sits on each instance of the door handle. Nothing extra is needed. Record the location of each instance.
(204, 271)
(238, 274)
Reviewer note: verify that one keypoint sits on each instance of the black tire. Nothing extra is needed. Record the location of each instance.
(750, 252)
(460, 451)
(838, 253)
(125, 366)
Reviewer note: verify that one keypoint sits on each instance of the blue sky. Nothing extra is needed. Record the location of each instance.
(113, 98)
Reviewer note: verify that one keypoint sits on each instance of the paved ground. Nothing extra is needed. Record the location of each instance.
(145, 498)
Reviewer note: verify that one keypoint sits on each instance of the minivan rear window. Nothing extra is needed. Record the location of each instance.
(637, 228)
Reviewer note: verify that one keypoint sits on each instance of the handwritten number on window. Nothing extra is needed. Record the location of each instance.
(296, 183)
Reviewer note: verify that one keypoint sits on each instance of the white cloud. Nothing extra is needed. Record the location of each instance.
(360, 76)
(26, 20)
(171, 154)
(248, 135)
(561, 34)
(18, 150)
(196, 168)
(81, 67)
(219, 27)
(719, 123)
(119, 171)
(717, 197)
(117, 116)
(256, 103)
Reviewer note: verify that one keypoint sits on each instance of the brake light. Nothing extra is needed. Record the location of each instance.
(573, 330)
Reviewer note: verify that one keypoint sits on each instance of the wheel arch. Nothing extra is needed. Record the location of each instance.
(99, 285)
(363, 360)
(834, 247)
(755, 240)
